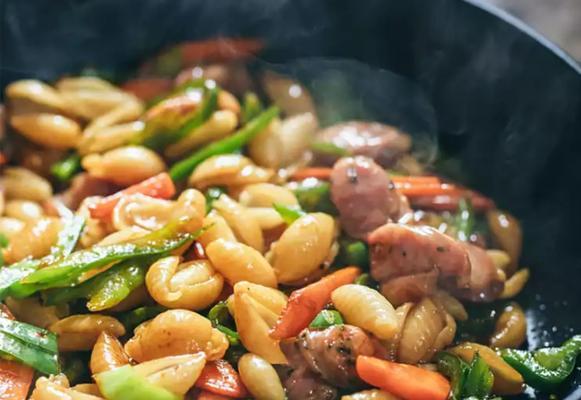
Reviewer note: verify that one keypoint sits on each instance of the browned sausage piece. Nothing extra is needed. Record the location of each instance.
(383, 143)
(303, 384)
(330, 353)
(364, 195)
(485, 282)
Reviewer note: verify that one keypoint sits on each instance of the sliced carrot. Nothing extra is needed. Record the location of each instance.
(312, 172)
(426, 189)
(205, 395)
(402, 380)
(15, 378)
(148, 88)
(219, 50)
(304, 304)
(220, 378)
(160, 186)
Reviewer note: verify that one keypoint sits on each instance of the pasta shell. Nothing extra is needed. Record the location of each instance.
(267, 194)
(57, 388)
(125, 165)
(241, 222)
(31, 311)
(217, 229)
(80, 332)
(32, 96)
(372, 394)
(175, 373)
(267, 218)
(35, 240)
(193, 285)
(260, 378)
(21, 183)
(238, 262)
(303, 247)
(141, 211)
(228, 170)
(24, 210)
(49, 130)
(190, 208)
(176, 332)
(127, 111)
(515, 283)
(256, 309)
(107, 354)
(379, 317)
(90, 104)
(106, 138)
(10, 227)
(511, 328)
(77, 83)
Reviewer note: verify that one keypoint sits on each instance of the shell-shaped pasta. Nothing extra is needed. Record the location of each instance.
(190, 208)
(24, 210)
(219, 125)
(21, 183)
(125, 165)
(123, 236)
(228, 170)
(10, 227)
(49, 130)
(303, 247)
(260, 378)
(107, 354)
(256, 309)
(227, 101)
(194, 285)
(31, 96)
(427, 329)
(95, 229)
(366, 308)
(57, 388)
(127, 111)
(372, 394)
(267, 218)
(266, 194)
(77, 83)
(452, 306)
(176, 332)
(285, 143)
(511, 328)
(174, 373)
(217, 229)
(31, 311)
(240, 221)
(288, 94)
(515, 283)
(500, 258)
(238, 262)
(91, 104)
(34, 240)
(142, 211)
(106, 138)
(80, 332)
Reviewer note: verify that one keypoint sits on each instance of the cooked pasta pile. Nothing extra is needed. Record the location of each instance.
(205, 238)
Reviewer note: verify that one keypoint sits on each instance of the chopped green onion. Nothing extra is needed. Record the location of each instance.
(220, 317)
(251, 107)
(464, 220)
(212, 194)
(124, 383)
(65, 169)
(330, 149)
(314, 195)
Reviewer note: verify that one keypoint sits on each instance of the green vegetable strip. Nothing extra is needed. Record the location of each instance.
(479, 379)
(251, 107)
(289, 214)
(326, 318)
(315, 196)
(545, 369)
(65, 169)
(454, 368)
(124, 383)
(212, 194)
(365, 280)
(67, 240)
(135, 317)
(29, 344)
(330, 149)
(208, 106)
(220, 316)
(465, 220)
(353, 252)
(184, 168)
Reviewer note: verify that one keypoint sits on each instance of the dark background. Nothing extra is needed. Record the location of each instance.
(504, 101)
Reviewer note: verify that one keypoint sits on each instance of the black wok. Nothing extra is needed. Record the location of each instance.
(499, 96)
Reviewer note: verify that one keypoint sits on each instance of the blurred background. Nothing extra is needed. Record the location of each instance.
(559, 20)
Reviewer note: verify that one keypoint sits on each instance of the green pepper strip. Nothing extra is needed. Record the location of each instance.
(4, 242)
(454, 368)
(465, 220)
(353, 252)
(66, 168)
(124, 383)
(479, 379)
(326, 318)
(545, 369)
(184, 168)
(315, 196)
(29, 344)
(219, 316)
(329, 149)
(289, 214)
(251, 107)
(132, 318)
(105, 290)
(66, 242)
(212, 194)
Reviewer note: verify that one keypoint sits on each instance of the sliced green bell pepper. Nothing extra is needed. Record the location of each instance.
(124, 383)
(289, 214)
(545, 369)
(251, 107)
(131, 319)
(326, 318)
(464, 221)
(237, 140)
(314, 196)
(467, 380)
(65, 169)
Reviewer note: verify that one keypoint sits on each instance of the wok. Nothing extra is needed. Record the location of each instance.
(500, 97)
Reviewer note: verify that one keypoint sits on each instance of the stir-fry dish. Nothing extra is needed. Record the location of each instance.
(204, 238)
